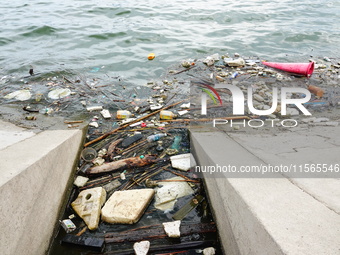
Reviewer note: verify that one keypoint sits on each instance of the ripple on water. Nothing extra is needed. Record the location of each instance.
(39, 31)
(4, 41)
(106, 36)
(100, 32)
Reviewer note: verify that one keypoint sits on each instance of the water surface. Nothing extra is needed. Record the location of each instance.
(115, 37)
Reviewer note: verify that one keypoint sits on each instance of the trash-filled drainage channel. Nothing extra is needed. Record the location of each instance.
(145, 199)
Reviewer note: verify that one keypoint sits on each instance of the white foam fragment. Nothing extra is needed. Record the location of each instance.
(182, 112)
(94, 124)
(106, 114)
(80, 181)
(172, 228)
(183, 161)
(185, 105)
(209, 251)
(94, 108)
(126, 207)
(141, 248)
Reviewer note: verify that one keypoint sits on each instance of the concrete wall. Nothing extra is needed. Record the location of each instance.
(33, 180)
(259, 216)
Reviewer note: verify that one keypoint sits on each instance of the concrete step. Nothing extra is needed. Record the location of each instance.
(11, 134)
(262, 215)
(35, 172)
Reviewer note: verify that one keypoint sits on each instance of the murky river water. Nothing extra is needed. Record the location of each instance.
(114, 38)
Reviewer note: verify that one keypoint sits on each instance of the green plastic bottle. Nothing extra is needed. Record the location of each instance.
(176, 144)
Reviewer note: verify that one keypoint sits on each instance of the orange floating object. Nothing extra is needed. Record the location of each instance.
(151, 56)
(316, 90)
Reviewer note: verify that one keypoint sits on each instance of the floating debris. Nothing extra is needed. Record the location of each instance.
(209, 251)
(21, 95)
(238, 62)
(68, 225)
(167, 195)
(187, 208)
(80, 181)
(151, 56)
(126, 207)
(316, 90)
(88, 205)
(59, 93)
(106, 114)
(141, 248)
(123, 164)
(172, 228)
(183, 161)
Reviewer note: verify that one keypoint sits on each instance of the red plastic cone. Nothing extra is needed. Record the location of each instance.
(305, 69)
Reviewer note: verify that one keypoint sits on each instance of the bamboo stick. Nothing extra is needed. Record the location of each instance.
(128, 124)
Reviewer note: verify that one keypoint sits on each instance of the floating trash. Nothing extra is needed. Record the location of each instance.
(141, 248)
(151, 56)
(172, 228)
(167, 195)
(21, 95)
(95, 70)
(68, 225)
(88, 206)
(59, 93)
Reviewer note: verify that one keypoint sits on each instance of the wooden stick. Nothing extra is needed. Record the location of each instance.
(178, 174)
(128, 124)
(73, 121)
(158, 232)
(82, 231)
(133, 146)
(187, 69)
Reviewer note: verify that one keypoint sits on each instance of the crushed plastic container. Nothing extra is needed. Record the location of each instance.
(167, 115)
(68, 225)
(123, 114)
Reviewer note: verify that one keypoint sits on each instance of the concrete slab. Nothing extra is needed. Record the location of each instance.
(306, 150)
(269, 215)
(10, 134)
(34, 176)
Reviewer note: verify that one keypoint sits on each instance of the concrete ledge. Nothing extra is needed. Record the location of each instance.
(33, 181)
(263, 216)
(11, 134)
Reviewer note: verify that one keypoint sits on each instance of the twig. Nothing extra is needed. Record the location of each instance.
(67, 80)
(187, 69)
(82, 231)
(128, 124)
(73, 121)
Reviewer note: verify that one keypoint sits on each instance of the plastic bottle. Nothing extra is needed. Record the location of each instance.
(123, 114)
(156, 137)
(167, 115)
(177, 140)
